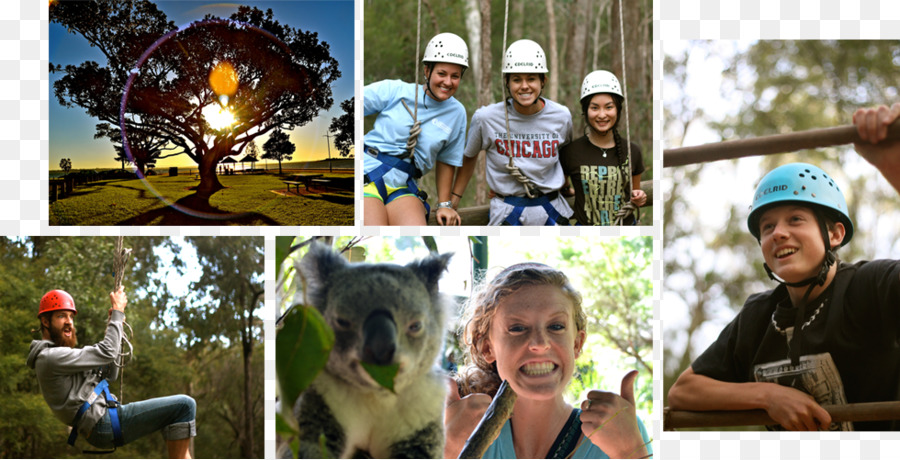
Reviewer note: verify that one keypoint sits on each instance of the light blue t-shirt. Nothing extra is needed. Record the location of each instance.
(443, 124)
(503, 446)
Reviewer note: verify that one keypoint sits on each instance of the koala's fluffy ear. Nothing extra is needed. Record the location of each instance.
(430, 270)
(317, 266)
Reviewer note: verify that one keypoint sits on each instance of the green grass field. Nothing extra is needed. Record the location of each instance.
(246, 200)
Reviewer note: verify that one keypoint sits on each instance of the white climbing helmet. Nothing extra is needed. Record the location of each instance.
(600, 81)
(524, 56)
(447, 47)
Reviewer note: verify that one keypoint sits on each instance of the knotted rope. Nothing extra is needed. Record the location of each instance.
(511, 166)
(120, 258)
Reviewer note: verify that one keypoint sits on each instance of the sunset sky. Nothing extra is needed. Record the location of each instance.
(72, 130)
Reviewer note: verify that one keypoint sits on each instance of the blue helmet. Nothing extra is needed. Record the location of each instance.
(804, 184)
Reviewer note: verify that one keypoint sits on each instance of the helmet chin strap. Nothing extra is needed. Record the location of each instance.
(819, 279)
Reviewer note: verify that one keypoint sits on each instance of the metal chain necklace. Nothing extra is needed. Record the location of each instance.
(803, 326)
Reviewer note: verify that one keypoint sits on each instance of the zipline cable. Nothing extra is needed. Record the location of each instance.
(768, 145)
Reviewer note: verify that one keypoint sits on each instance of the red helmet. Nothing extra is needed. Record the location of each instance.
(57, 300)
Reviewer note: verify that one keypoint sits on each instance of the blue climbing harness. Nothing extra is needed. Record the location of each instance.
(112, 407)
(389, 162)
(519, 203)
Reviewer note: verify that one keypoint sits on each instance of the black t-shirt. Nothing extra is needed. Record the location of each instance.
(600, 188)
(859, 333)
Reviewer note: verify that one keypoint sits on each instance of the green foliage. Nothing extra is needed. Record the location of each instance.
(302, 346)
(282, 249)
(383, 375)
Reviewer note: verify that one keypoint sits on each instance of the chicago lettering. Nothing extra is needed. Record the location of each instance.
(527, 149)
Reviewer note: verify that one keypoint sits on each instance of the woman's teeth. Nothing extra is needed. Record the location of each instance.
(538, 368)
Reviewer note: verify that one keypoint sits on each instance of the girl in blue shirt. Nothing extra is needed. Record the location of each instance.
(391, 193)
(527, 326)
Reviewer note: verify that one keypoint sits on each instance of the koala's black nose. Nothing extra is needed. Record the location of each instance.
(379, 338)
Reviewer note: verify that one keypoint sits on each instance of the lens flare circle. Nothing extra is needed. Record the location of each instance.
(133, 74)
(223, 79)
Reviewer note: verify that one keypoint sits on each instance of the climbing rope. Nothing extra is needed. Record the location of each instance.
(119, 260)
(415, 129)
(629, 208)
(511, 166)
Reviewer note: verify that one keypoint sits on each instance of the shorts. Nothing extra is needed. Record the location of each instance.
(370, 191)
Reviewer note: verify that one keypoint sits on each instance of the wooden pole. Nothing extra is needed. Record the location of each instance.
(479, 215)
(859, 412)
(489, 427)
(767, 145)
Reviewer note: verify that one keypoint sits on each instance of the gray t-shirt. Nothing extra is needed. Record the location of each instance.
(534, 142)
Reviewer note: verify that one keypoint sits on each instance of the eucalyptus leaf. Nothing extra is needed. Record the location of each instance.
(384, 375)
(283, 426)
(282, 249)
(302, 347)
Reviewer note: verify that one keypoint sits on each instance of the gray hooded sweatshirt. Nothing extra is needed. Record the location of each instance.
(67, 376)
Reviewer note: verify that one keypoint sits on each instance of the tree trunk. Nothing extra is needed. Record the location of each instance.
(575, 50)
(484, 97)
(554, 58)
(248, 408)
(209, 181)
(279, 166)
(516, 19)
(473, 28)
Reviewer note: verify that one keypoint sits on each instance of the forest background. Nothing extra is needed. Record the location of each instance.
(194, 307)
(578, 36)
(712, 263)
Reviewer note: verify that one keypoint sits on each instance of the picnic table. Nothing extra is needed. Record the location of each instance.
(298, 179)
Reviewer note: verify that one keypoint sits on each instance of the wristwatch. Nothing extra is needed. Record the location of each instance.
(445, 204)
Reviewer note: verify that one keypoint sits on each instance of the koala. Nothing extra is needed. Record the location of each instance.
(381, 314)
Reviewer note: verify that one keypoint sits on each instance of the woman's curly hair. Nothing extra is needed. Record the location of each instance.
(478, 375)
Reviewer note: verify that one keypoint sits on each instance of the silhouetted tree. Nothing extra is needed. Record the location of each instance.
(343, 128)
(281, 83)
(279, 147)
(66, 164)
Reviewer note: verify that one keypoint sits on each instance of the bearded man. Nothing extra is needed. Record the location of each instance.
(72, 381)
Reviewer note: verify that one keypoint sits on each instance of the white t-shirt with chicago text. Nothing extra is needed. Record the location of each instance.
(533, 142)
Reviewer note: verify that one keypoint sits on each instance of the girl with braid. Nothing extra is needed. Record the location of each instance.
(598, 163)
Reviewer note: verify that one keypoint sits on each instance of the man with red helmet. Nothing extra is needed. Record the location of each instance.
(73, 379)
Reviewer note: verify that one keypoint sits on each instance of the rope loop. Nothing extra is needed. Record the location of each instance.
(414, 131)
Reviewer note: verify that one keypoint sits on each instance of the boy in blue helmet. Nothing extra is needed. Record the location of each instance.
(830, 332)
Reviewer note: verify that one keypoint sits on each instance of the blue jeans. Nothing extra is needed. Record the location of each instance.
(173, 415)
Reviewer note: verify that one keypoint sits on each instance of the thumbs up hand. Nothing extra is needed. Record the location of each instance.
(461, 417)
(609, 420)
